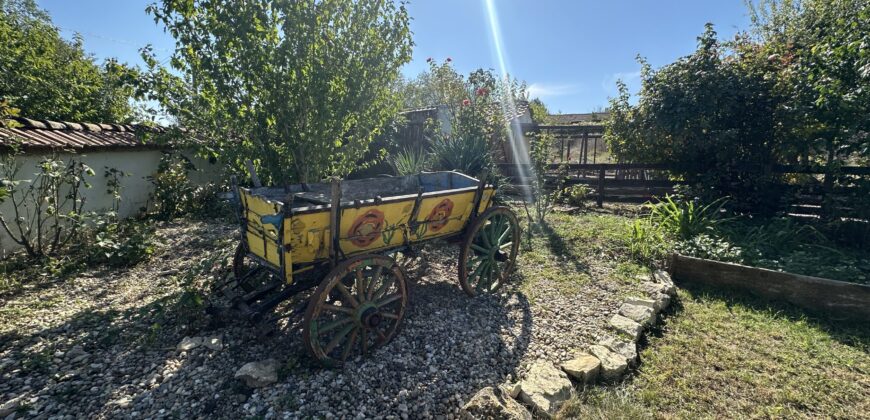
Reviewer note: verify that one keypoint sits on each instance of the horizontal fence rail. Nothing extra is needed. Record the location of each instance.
(641, 182)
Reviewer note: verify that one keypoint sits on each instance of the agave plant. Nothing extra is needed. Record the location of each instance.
(467, 155)
(409, 161)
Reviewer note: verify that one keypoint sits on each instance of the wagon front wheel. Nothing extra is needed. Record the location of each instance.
(357, 308)
(489, 251)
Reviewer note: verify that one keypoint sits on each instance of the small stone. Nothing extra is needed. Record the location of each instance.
(258, 374)
(663, 300)
(641, 314)
(651, 303)
(545, 388)
(613, 365)
(492, 403)
(583, 368)
(656, 288)
(627, 349)
(626, 326)
(213, 343)
(189, 343)
(664, 277)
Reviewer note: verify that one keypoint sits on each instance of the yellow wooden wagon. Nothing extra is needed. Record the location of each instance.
(340, 237)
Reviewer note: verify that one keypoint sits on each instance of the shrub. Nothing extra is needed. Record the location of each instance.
(469, 155)
(409, 162)
(47, 209)
(119, 243)
(576, 195)
(685, 219)
(173, 190)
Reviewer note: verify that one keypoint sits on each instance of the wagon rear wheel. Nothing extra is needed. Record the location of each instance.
(489, 251)
(357, 308)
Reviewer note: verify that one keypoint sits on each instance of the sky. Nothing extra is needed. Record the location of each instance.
(569, 52)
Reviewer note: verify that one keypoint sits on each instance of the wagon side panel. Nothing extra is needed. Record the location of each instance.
(308, 236)
(375, 227)
(261, 237)
(447, 214)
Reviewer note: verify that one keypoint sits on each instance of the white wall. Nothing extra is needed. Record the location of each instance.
(135, 187)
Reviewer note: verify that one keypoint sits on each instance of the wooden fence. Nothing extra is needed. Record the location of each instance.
(638, 183)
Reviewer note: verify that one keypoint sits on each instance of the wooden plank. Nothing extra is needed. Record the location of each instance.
(601, 187)
(837, 297)
(609, 182)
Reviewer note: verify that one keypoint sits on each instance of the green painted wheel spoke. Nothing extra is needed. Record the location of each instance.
(375, 278)
(337, 339)
(503, 246)
(342, 309)
(334, 324)
(341, 288)
(387, 282)
(349, 346)
(389, 299)
(504, 235)
(390, 315)
(485, 237)
(485, 278)
(480, 249)
(360, 283)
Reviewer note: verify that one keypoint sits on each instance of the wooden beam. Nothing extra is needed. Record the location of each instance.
(844, 299)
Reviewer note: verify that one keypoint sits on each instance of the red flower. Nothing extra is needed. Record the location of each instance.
(466, 102)
(482, 91)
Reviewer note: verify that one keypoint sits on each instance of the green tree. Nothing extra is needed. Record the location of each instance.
(48, 77)
(300, 87)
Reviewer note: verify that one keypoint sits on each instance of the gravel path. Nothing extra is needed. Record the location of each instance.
(103, 345)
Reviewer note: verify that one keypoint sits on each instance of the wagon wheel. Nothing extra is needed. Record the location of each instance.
(357, 307)
(489, 251)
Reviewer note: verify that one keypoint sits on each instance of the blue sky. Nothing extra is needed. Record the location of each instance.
(569, 52)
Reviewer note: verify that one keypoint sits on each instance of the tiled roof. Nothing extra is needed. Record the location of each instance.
(44, 134)
(576, 119)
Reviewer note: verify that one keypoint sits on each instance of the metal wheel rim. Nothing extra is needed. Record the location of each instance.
(357, 308)
(489, 252)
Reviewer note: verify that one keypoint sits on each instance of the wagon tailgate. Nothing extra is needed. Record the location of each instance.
(262, 239)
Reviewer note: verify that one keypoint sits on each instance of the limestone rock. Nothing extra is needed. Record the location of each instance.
(626, 326)
(511, 389)
(493, 403)
(258, 374)
(656, 288)
(613, 365)
(663, 300)
(545, 388)
(583, 368)
(627, 349)
(189, 343)
(650, 303)
(642, 314)
(664, 277)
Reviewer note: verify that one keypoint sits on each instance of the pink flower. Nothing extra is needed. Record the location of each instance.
(466, 102)
(481, 91)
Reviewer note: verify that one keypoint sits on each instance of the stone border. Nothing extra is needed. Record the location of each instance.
(546, 386)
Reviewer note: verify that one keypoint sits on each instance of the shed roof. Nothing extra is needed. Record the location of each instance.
(45, 134)
(521, 108)
(579, 119)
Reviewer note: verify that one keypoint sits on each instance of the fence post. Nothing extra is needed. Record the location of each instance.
(601, 188)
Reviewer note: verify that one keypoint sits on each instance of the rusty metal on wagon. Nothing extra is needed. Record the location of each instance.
(340, 239)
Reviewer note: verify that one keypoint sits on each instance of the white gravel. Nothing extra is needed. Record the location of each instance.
(103, 345)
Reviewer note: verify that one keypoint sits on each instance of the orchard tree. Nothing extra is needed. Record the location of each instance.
(48, 77)
(301, 87)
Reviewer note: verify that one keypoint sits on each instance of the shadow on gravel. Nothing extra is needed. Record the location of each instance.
(110, 363)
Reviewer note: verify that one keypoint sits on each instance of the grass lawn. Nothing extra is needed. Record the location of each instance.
(726, 355)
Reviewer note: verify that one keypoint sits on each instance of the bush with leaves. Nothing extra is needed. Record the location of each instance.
(576, 195)
(301, 88)
(47, 209)
(173, 190)
(410, 161)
